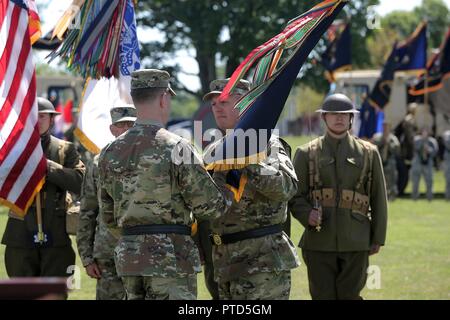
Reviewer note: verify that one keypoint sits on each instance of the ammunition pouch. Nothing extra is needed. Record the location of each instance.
(354, 201)
(73, 214)
(325, 196)
(348, 199)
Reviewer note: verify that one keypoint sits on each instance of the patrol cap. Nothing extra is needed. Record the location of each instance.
(338, 103)
(123, 113)
(45, 106)
(217, 86)
(151, 78)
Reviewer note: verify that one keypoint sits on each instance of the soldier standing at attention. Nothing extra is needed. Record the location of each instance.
(341, 202)
(149, 198)
(95, 243)
(252, 256)
(446, 140)
(27, 254)
(425, 150)
(389, 149)
(409, 128)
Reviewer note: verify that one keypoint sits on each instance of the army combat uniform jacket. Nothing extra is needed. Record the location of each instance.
(354, 209)
(94, 240)
(141, 184)
(64, 173)
(263, 203)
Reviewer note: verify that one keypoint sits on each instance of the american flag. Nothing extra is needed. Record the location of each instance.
(22, 162)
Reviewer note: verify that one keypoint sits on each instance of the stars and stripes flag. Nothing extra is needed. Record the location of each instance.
(22, 162)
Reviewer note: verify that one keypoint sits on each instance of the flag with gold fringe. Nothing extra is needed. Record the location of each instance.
(407, 56)
(277, 63)
(438, 70)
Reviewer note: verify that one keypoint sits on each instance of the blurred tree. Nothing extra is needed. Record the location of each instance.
(398, 25)
(224, 32)
(437, 14)
(402, 22)
(381, 44)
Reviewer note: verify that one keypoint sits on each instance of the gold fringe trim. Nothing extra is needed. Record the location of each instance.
(238, 163)
(240, 191)
(18, 211)
(86, 142)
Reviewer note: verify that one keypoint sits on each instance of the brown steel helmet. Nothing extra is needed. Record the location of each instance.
(338, 103)
(45, 106)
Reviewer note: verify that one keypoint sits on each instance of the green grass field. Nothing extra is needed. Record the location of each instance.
(414, 264)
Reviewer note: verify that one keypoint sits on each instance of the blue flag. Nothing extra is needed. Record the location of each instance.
(412, 54)
(261, 108)
(338, 56)
(438, 69)
(129, 54)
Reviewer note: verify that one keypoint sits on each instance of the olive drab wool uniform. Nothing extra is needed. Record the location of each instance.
(345, 178)
(26, 257)
(389, 149)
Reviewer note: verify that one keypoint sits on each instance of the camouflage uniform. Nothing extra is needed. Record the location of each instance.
(447, 163)
(259, 267)
(422, 164)
(389, 149)
(95, 243)
(142, 187)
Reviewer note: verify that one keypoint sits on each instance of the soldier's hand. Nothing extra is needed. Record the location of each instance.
(374, 249)
(93, 271)
(314, 218)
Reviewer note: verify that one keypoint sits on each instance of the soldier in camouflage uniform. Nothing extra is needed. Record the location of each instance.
(446, 139)
(95, 243)
(425, 150)
(342, 204)
(25, 256)
(252, 256)
(149, 197)
(389, 149)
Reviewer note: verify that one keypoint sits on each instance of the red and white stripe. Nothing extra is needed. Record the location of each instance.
(22, 162)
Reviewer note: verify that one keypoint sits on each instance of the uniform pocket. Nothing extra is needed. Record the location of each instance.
(360, 227)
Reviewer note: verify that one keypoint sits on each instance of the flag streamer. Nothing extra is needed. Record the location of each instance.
(278, 62)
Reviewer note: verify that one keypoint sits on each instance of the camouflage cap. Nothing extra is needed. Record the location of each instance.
(123, 113)
(151, 78)
(217, 86)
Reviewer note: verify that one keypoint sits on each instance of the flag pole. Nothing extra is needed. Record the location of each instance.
(39, 218)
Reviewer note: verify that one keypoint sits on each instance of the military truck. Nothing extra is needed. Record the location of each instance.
(60, 89)
(433, 114)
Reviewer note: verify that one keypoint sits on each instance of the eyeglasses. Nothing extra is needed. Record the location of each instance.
(124, 124)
